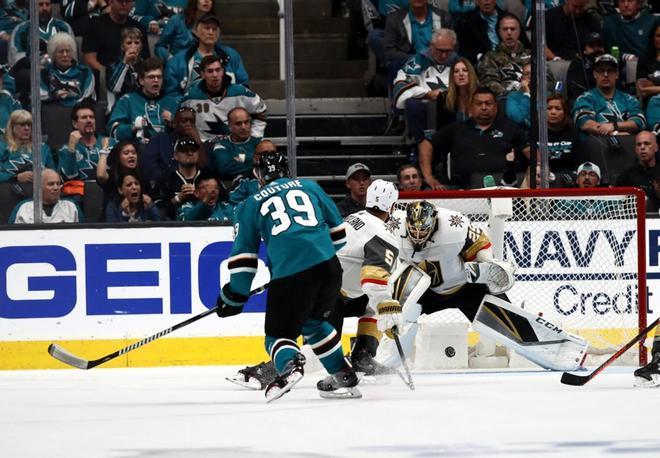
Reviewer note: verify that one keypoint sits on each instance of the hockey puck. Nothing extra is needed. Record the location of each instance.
(450, 352)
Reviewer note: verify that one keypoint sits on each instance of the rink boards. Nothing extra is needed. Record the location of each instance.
(96, 290)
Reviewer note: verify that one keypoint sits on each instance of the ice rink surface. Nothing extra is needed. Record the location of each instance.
(192, 412)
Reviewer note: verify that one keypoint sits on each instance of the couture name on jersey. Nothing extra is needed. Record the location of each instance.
(272, 189)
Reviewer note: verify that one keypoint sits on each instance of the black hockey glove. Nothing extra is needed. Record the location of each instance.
(229, 303)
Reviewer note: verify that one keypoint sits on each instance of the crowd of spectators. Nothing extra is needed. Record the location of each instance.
(183, 126)
(464, 90)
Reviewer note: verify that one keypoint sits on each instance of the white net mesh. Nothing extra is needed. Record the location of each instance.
(576, 258)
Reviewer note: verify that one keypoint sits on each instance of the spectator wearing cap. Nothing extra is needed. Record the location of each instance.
(101, 45)
(629, 29)
(566, 26)
(158, 157)
(409, 178)
(233, 155)
(178, 186)
(358, 179)
(216, 95)
(579, 76)
(207, 205)
(648, 67)
(139, 115)
(588, 175)
(177, 35)
(605, 114)
(182, 71)
(644, 168)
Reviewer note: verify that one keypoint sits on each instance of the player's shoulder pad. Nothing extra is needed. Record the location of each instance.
(452, 225)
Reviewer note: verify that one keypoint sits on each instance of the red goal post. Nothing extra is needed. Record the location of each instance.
(580, 254)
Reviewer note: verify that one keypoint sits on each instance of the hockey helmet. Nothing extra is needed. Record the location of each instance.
(271, 166)
(381, 195)
(421, 222)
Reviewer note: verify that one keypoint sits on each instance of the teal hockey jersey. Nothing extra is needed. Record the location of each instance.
(299, 224)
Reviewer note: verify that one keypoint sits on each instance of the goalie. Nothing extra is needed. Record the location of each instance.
(458, 258)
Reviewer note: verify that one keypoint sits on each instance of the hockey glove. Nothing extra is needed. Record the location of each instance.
(229, 303)
(497, 275)
(389, 315)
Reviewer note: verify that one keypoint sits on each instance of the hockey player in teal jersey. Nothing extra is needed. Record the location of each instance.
(138, 116)
(214, 96)
(302, 230)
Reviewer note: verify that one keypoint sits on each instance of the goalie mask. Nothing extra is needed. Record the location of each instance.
(421, 222)
(270, 167)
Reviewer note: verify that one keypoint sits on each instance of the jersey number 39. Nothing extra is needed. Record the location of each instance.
(297, 201)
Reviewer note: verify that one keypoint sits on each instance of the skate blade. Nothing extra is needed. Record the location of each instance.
(374, 379)
(641, 382)
(251, 384)
(293, 379)
(342, 393)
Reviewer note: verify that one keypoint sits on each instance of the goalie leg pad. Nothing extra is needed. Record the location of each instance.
(530, 335)
(409, 283)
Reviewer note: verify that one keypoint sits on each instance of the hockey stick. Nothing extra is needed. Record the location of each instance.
(579, 380)
(409, 382)
(64, 356)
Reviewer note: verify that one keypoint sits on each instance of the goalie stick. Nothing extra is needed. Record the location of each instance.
(66, 357)
(409, 382)
(578, 380)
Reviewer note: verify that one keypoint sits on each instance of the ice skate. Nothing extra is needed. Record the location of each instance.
(649, 375)
(340, 385)
(283, 383)
(255, 377)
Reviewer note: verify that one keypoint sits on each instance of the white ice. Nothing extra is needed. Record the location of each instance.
(192, 412)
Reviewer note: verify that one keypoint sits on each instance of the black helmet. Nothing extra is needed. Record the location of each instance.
(271, 167)
(421, 222)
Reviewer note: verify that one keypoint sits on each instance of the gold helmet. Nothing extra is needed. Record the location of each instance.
(421, 222)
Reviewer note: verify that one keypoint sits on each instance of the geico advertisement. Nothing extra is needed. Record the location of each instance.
(112, 283)
(126, 282)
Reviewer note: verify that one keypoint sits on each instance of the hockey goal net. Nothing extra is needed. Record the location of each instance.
(579, 254)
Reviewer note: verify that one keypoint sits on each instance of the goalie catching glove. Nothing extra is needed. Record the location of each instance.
(229, 303)
(497, 275)
(389, 316)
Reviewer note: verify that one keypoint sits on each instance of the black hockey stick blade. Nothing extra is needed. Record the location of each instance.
(66, 357)
(578, 380)
(409, 382)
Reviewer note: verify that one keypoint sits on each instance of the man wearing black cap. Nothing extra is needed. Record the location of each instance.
(102, 42)
(605, 110)
(579, 76)
(178, 186)
(358, 179)
(183, 71)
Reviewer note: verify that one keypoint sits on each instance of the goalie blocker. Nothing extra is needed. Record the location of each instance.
(530, 335)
